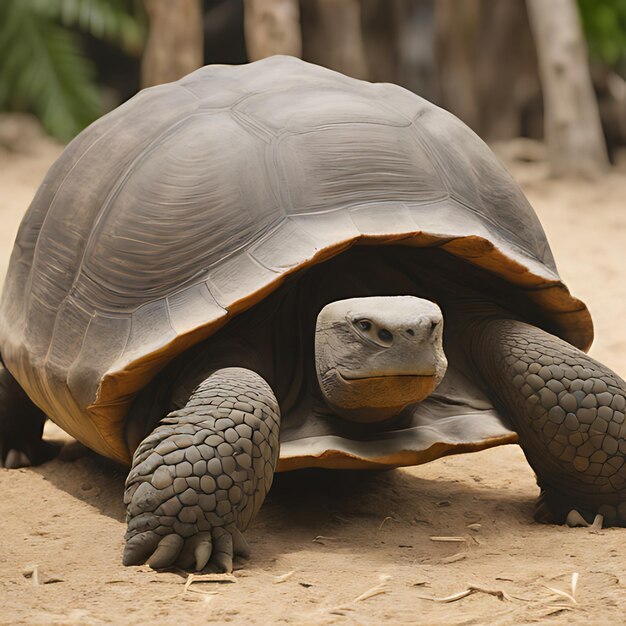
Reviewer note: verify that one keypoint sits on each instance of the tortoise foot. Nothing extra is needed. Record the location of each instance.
(211, 551)
(575, 520)
(201, 476)
(21, 427)
(29, 453)
(554, 508)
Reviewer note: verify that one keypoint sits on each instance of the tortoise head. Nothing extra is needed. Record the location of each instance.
(376, 355)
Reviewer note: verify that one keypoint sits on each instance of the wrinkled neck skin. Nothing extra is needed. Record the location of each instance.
(467, 316)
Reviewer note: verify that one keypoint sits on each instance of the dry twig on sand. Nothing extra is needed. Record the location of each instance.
(569, 596)
(366, 595)
(206, 578)
(501, 595)
(321, 539)
(284, 577)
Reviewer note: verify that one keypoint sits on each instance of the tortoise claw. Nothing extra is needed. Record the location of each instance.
(574, 519)
(167, 551)
(139, 547)
(222, 555)
(203, 550)
(240, 545)
(16, 458)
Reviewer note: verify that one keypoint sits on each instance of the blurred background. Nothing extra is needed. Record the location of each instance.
(552, 71)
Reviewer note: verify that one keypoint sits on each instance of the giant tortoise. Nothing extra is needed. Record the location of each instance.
(267, 253)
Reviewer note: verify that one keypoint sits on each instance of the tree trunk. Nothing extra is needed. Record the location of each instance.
(399, 37)
(175, 43)
(380, 41)
(572, 124)
(272, 27)
(610, 89)
(415, 32)
(332, 35)
(224, 39)
(457, 23)
(507, 77)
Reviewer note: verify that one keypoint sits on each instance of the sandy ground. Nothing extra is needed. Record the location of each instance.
(335, 548)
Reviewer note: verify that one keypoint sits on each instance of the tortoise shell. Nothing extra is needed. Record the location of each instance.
(196, 199)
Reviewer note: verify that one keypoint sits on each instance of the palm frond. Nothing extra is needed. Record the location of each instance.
(110, 20)
(43, 70)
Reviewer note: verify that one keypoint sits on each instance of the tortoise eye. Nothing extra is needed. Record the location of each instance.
(364, 325)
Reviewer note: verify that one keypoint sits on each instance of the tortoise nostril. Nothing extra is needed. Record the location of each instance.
(384, 335)
(433, 325)
(410, 331)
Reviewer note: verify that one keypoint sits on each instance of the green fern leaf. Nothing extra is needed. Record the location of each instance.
(109, 20)
(43, 71)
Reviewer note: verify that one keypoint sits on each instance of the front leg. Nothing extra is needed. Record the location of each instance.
(568, 410)
(201, 476)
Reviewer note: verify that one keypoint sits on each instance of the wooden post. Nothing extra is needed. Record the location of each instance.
(507, 73)
(333, 35)
(380, 39)
(573, 131)
(415, 27)
(457, 23)
(399, 39)
(175, 43)
(272, 27)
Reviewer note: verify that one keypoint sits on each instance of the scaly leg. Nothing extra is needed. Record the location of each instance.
(568, 410)
(201, 476)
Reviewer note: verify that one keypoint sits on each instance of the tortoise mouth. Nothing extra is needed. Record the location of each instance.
(379, 398)
(385, 376)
